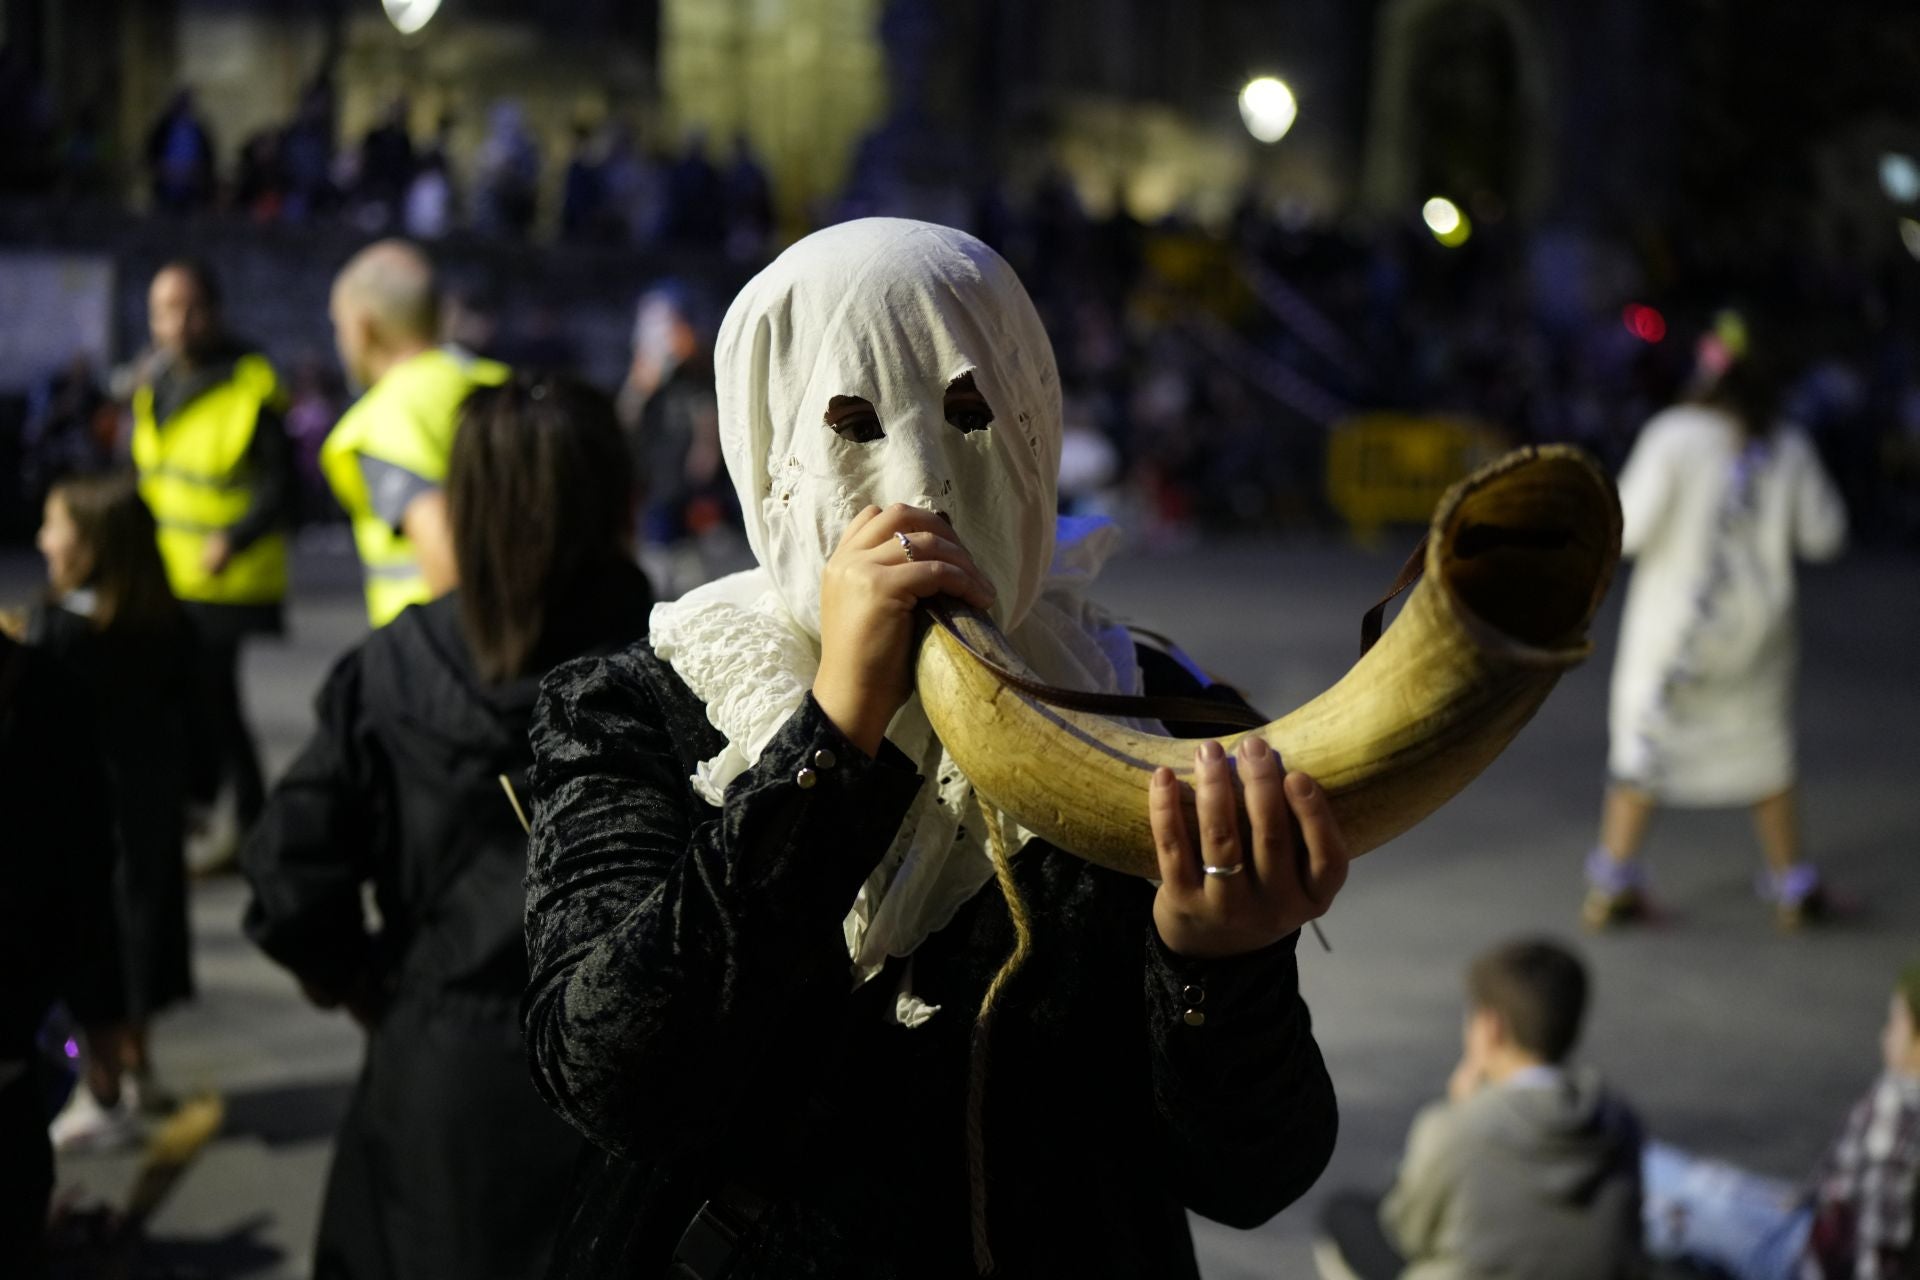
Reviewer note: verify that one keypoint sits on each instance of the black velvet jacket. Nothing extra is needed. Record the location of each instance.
(690, 1011)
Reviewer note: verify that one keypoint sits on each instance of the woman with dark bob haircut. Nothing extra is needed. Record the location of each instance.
(447, 1163)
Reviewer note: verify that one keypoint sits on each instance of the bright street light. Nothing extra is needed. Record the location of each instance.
(1267, 108)
(1899, 177)
(1447, 222)
(1442, 215)
(408, 16)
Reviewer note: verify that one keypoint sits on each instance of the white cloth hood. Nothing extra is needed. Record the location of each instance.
(890, 311)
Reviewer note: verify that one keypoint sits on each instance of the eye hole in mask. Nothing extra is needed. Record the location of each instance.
(967, 409)
(853, 418)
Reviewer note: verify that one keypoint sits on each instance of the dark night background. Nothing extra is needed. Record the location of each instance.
(1686, 156)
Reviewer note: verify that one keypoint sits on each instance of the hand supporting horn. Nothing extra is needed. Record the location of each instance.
(1518, 558)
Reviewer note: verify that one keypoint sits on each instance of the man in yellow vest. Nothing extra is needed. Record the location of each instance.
(386, 459)
(216, 469)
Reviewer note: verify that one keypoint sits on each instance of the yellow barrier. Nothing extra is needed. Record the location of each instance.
(1391, 468)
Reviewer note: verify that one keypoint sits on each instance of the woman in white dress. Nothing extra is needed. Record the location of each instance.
(1719, 501)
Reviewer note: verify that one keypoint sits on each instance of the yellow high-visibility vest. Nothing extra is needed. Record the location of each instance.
(407, 420)
(194, 478)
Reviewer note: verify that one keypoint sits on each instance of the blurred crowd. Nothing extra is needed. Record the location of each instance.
(613, 191)
(1205, 367)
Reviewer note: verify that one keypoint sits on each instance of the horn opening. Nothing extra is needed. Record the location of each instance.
(1520, 554)
(1526, 548)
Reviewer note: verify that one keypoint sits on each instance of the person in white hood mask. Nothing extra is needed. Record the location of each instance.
(758, 902)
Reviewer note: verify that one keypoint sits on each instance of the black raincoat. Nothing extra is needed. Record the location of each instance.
(138, 689)
(448, 1163)
(692, 1011)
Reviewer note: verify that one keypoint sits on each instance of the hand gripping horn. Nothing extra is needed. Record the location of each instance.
(1517, 560)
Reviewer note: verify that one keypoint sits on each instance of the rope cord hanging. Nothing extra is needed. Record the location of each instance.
(982, 1030)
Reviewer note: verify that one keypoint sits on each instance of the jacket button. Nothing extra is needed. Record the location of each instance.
(806, 778)
(1194, 1018)
(1194, 994)
(824, 759)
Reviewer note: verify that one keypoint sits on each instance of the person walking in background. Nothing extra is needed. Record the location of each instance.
(1529, 1168)
(431, 205)
(386, 459)
(667, 409)
(387, 166)
(111, 618)
(748, 202)
(306, 153)
(1719, 499)
(217, 471)
(506, 174)
(583, 190)
(180, 157)
(696, 198)
(448, 1163)
(59, 932)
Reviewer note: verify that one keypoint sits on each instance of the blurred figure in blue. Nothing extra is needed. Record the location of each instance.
(506, 181)
(668, 411)
(180, 157)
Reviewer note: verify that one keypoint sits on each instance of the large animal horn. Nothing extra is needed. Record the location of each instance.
(1519, 556)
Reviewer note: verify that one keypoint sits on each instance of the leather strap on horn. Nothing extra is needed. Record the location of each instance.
(1191, 710)
(1374, 618)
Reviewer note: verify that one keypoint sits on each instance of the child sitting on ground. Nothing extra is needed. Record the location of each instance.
(1857, 1219)
(1529, 1168)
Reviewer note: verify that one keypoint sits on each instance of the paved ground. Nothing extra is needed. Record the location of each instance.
(1730, 1038)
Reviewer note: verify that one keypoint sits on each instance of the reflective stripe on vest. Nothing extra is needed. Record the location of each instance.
(193, 477)
(407, 420)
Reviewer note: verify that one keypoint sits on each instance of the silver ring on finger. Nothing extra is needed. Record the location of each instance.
(906, 545)
(1231, 869)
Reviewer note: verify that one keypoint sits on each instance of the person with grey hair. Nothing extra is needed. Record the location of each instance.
(386, 459)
